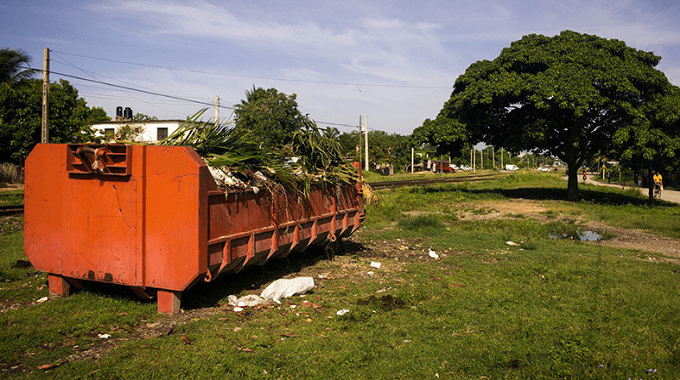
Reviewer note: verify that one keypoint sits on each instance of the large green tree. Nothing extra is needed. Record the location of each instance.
(570, 95)
(21, 115)
(652, 143)
(447, 134)
(269, 115)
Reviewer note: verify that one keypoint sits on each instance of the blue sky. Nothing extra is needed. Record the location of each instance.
(393, 61)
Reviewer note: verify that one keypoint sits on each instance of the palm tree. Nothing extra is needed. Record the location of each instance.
(14, 66)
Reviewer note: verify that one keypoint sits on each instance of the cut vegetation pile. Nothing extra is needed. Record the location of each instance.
(238, 160)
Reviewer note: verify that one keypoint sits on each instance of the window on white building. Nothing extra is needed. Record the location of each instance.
(161, 134)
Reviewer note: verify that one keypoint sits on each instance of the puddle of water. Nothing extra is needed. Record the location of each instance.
(583, 236)
(589, 236)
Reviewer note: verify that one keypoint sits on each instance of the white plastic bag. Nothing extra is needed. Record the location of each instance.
(284, 288)
(249, 300)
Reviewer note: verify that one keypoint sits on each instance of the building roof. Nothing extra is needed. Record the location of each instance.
(124, 122)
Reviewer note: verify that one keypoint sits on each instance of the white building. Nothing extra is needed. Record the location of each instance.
(152, 130)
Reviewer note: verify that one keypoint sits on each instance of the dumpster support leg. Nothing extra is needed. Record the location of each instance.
(168, 301)
(58, 285)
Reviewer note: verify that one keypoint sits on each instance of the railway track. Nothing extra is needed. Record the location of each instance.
(421, 182)
(11, 210)
(19, 209)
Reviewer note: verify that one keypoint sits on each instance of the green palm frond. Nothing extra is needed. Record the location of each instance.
(320, 160)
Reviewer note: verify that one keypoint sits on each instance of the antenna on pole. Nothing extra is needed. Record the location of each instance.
(44, 130)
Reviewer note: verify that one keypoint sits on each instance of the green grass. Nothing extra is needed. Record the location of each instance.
(547, 309)
(12, 198)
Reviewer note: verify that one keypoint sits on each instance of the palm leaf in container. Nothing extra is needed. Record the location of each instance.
(321, 157)
(237, 151)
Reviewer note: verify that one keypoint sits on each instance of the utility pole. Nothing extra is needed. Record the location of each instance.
(366, 140)
(359, 146)
(502, 167)
(45, 132)
(474, 159)
(471, 164)
(412, 158)
(493, 156)
(217, 108)
(481, 156)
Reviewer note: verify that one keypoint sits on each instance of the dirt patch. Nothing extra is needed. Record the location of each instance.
(12, 187)
(497, 210)
(524, 208)
(637, 239)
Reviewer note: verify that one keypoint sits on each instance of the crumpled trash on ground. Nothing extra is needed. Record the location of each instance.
(432, 254)
(375, 264)
(512, 243)
(245, 301)
(284, 288)
(342, 312)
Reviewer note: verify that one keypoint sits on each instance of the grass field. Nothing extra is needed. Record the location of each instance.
(544, 308)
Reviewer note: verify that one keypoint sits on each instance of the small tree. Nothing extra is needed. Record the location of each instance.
(270, 116)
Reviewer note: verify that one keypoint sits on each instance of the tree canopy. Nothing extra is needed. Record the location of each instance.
(271, 116)
(571, 96)
(20, 117)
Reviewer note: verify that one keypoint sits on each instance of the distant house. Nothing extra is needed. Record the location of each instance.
(153, 130)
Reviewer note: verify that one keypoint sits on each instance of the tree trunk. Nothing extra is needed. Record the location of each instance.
(650, 182)
(572, 186)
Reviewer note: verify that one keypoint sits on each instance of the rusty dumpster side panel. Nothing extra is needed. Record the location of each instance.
(152, 217)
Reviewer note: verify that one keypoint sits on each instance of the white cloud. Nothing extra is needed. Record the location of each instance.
(385, 44)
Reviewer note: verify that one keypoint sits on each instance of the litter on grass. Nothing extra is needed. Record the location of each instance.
(285, 288)
(375, 264)
(249, 300)
(432, 254)
(41, 300)
(342, 312)
(512, 243)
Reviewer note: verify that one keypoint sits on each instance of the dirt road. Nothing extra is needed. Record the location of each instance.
(666, 195)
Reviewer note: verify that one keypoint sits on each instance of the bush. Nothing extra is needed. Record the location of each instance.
(10, 173)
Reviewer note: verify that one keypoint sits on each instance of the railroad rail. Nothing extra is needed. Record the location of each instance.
(11, 210)
(431, 181)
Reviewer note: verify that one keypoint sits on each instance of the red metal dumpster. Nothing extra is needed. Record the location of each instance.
(153, 218)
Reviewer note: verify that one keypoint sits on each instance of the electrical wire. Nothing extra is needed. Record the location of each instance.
(255, 77)
(177, 97)
(135, 89)
(95, 76)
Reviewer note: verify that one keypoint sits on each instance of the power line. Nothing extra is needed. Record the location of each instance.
(177, 97)
(136, 89)
(255, 77)
(95, 76)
